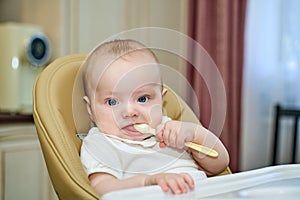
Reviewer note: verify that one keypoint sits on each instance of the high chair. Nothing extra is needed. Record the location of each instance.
(58, 122)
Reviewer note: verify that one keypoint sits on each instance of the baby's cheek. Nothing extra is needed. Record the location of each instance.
(155, 114)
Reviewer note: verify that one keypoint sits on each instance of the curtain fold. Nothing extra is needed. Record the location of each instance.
(218, 26)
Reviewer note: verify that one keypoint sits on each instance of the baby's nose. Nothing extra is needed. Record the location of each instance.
(130, 111)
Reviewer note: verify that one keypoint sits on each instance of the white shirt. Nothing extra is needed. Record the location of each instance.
(123, 159)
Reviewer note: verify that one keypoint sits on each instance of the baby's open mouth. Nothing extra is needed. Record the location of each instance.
(136, 135)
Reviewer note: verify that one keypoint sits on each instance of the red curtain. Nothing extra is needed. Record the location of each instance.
(218, 26)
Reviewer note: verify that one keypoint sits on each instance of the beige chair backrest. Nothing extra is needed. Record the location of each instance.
(54, 120)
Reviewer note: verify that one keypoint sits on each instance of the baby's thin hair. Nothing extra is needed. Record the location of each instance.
(115, 49)
(121, 47)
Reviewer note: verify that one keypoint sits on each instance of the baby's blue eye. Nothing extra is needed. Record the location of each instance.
(111, 102)
(143, 99)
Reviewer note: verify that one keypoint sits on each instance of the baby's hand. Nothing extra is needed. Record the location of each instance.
(176, 133)
(177, 183)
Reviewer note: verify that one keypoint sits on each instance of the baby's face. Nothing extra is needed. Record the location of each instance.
(128, 92)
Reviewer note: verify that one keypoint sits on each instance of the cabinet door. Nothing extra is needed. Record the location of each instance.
(23, 172)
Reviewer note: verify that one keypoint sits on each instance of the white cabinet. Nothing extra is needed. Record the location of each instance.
(23, 172)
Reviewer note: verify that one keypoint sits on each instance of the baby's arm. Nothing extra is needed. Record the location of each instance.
(176, 133)
(177, 183)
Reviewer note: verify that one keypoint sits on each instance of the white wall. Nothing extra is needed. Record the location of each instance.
(99, 20)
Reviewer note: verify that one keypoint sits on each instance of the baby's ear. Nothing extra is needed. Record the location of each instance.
(88, 107)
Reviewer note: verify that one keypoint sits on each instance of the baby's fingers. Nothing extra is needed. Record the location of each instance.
(159, 132)
(162, 144)
(177, 186)
(188, 180)
(163, 185)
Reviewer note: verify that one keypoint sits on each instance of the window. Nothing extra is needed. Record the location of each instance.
(271, 74)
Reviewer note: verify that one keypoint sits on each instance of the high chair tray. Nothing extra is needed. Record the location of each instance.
(277, 182)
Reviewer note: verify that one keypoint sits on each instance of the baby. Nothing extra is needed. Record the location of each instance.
(123, 87)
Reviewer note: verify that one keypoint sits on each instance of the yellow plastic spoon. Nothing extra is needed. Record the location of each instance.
(145, 128)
